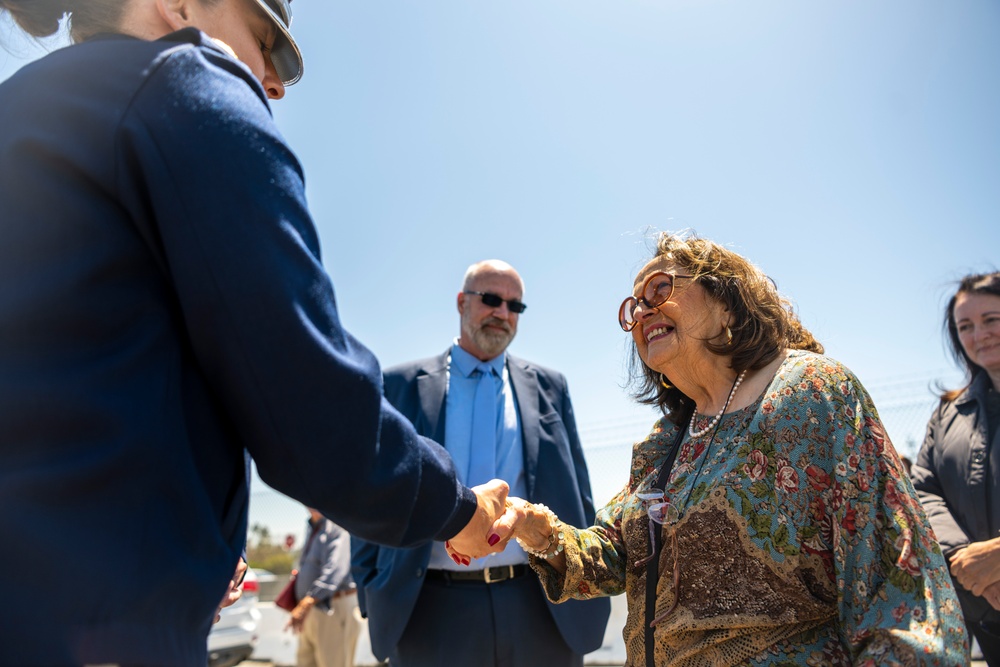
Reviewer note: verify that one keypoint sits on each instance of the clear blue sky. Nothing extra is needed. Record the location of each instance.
(851, 149)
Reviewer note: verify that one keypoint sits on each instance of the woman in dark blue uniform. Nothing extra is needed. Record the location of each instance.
(163, 309)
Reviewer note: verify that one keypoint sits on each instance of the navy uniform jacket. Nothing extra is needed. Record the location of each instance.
(163, 307)
(389, 579)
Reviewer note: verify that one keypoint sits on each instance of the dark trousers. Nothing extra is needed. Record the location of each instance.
(988, 635)
(982, 621)
(469, 624)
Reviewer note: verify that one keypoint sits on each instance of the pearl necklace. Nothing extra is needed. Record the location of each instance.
(715, 420)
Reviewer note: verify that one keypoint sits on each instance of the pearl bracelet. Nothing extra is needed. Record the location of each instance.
(556, 536)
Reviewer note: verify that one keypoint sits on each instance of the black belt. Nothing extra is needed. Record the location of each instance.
(490, 575)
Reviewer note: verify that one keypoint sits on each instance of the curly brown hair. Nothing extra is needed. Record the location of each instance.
(763, 321)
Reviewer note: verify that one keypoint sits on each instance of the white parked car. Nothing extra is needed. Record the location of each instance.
(232, 639)
(263, 576)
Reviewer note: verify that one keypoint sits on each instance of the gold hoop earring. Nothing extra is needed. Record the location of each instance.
(663, 381)
(729, 335)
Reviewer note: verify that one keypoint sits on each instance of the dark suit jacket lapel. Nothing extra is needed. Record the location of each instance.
(525, 382)
(432, 387)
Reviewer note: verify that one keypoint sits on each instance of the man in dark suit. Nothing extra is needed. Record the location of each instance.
(502, 417)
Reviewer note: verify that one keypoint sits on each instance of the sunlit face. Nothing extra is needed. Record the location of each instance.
(248, 31)
(486, 332)
(977, 318)
(677, 329)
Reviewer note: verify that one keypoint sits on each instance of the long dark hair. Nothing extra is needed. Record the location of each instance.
(979, 283)
(763, 321)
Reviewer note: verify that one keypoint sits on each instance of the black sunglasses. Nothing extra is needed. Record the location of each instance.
(494, 301)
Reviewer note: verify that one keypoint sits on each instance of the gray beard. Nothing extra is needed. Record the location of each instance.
(490, 342)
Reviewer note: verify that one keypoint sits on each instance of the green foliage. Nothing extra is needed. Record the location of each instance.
(265, 555)
(278, 563)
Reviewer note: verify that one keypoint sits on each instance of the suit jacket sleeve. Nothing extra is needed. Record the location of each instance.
(221, 196)
(576, 450)
(400, 390)
(364, 555)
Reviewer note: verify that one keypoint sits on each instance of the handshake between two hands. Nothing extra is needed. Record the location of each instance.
(497, 520)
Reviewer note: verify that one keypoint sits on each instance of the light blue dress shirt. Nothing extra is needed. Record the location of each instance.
(462, 381)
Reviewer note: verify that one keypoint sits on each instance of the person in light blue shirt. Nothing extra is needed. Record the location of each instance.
(498, 416)
(326, 618)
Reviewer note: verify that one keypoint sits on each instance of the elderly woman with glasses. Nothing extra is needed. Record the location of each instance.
(766, 519)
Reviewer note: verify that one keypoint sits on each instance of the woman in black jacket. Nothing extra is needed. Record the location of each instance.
(957, 473)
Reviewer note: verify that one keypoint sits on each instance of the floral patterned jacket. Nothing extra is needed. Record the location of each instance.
(798, 539)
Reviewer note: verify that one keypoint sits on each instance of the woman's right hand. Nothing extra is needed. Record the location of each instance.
(522, 520)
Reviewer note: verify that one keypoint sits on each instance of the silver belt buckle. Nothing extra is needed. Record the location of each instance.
(488, 578)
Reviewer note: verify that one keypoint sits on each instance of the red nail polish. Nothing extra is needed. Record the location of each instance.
(466, 561)
(455, 558)
(494, 538)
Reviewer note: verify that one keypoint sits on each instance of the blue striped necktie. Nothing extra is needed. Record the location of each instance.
(482, 454)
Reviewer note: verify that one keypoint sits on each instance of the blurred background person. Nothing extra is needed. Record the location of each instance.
(326, 618)
(766, 519)
(957, 472)
(499, 416)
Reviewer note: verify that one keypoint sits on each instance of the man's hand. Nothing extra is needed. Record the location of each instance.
(992, 595)
(977, 566)
(235, 590)
(471, 541)
(298, 615)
